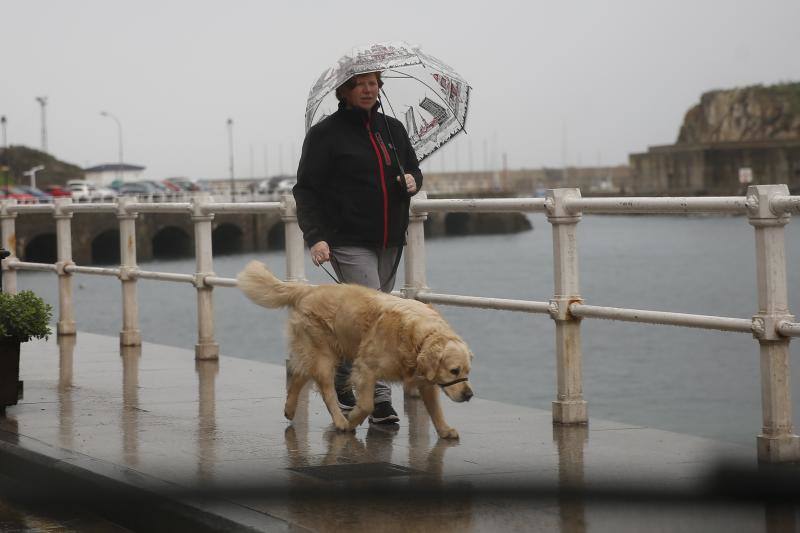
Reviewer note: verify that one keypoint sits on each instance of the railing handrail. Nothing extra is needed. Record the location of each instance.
(768, 208)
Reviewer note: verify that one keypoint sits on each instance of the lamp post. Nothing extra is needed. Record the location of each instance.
(119, 137)
(230, 157)
(3, 125)
(43, 103)
(32, 173)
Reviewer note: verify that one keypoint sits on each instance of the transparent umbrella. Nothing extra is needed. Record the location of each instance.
(423, 92)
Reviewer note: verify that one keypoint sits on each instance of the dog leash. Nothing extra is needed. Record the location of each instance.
(459, 380)
(328, 273)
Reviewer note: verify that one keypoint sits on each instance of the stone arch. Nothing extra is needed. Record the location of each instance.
(105, 248)
(42, 249)
(457, 224)
(276, 238)
(227, 239)
(172, 242)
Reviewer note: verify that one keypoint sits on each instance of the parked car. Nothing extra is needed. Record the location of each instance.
(85, 191)
(283, 186)
(186, 184)
(269, 185)
(107, 194)
(82, 191)
(40, 195)
(57, 191)
(172, 187)
(12, 192)
(141, 189)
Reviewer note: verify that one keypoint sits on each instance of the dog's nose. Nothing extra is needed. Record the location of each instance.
(467, 395)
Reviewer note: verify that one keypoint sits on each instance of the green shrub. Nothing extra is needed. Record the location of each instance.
(24, 316)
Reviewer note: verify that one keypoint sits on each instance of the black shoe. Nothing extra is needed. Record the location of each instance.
(347, 400)
(384, 413)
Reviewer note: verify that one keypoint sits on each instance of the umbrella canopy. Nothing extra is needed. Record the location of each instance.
(430, 97)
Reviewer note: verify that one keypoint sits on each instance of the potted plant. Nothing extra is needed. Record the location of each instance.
(23, 316)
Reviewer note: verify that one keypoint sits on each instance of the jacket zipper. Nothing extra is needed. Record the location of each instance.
(383, 186)
(386, 157)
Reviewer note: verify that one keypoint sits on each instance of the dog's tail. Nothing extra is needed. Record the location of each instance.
(261, 286)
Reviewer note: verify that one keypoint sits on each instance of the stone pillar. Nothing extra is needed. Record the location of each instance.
(295, 246)
(205, 348)
(415, 278)
(130, 334)
(66, 310)
(777, 442)
(569, 407)
(9, 233)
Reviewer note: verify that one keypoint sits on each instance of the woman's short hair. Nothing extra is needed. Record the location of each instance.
(349, 84)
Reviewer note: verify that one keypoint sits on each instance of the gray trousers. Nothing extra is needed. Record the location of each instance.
(371, 267)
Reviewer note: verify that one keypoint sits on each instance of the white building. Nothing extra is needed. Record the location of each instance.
(104, 175)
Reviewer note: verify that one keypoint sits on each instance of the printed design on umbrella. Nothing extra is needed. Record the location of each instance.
(432, 97)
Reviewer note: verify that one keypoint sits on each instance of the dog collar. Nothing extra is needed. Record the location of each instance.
(459, 380)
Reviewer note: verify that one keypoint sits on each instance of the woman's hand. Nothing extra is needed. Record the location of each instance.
(411, 185)
(320, 253)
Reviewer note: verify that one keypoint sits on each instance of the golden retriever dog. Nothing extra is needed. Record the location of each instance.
(385, 337)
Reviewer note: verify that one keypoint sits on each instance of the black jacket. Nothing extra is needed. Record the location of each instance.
(347, 191)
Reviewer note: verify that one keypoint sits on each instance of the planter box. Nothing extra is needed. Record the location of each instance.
(10, 385)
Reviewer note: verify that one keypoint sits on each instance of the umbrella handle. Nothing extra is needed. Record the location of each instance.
(402, 180)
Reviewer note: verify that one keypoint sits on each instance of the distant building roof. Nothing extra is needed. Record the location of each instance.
(109, 167)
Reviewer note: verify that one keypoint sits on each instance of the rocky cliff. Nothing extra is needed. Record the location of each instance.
(755, 113)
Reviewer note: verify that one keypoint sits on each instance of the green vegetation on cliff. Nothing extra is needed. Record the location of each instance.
(19, 159)
(788, 91)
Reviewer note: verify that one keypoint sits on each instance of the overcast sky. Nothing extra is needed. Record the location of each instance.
(553, 82)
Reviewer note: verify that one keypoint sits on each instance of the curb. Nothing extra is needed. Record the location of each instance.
(45, 473)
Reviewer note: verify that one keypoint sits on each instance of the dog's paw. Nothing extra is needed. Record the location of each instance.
(448, 433)
(288, 415)
(342, 425)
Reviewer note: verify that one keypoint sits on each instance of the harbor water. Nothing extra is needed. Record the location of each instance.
(700, 382)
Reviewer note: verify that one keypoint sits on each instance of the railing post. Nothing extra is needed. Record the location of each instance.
(569, 407)
(295, 246)
(414, 266)
(66, 311)
(777, 442)
(205, 348)
(8, 229)
(130, 334)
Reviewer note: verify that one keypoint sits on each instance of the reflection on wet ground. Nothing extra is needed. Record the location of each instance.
(154, 416)
(20, 518)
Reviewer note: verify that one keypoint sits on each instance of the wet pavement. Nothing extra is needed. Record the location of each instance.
(210, 435)
(16, 517)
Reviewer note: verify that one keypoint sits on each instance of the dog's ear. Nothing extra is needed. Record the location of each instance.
(429, 358)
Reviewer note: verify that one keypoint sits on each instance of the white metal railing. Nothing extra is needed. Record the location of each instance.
(768, 208)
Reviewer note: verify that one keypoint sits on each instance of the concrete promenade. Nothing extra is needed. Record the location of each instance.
(153, 421)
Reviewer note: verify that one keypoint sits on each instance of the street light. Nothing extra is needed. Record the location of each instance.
(32, 173)
(43, 102)
(119, 130)
(3, 125)
(230, 153)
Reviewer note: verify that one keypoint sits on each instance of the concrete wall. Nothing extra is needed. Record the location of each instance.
(713, 169)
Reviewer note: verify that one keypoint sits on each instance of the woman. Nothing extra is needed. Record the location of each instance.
(352, 202)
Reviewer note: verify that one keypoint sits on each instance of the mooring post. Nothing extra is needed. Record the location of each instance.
(9, 244)
(777, 442)
(130, 334)
(206, 347)
(66, 310)
(295, 246)
(569, 406)
(415, 278)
